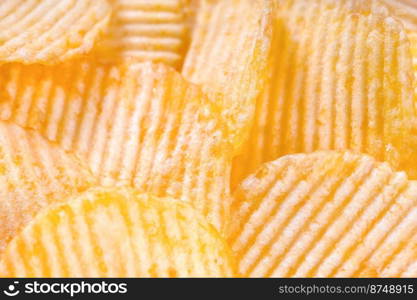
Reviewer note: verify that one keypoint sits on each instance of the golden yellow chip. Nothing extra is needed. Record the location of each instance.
(342, 80)
(406, 12)
(118, 233)
(228, 55)
(396, 255)
(136, 124)
(325, 214)
(49, 31)
(146, 30)
(412, 35)
(191, 8)
(33, 174)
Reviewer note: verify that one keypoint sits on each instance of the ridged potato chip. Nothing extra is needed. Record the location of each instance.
(325, 214)
(118, 233)
(342, 80)
(146, 30)
(228, 56)
(137, 124)
(406, 12)
(33, 174)
(50, 31)
(191, 8)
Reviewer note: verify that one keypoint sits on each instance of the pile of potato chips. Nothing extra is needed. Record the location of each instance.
(208, 138)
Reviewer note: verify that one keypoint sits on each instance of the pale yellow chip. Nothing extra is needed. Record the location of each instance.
(34, 173)
(229, 51)
(325, 214)
(146, 30)
(118, 233)
(135, 124)
(49, 31)
(342, 80)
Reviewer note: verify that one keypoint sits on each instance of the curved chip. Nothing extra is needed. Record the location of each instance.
(146, 30)
(136, 124)
(50, 31)
(229, 51)
(118, 233)
(342, 80)
(33, 174)
(325, 214)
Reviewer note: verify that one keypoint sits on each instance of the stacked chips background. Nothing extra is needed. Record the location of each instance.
(208, 138)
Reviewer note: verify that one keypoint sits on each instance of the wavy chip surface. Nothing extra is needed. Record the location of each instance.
(50, 31)
(325, 214)
(406, 12)
(342, 79)
(135, 124)
(191, 8)
(147, 31)
(118, 233)
(34, 173)
(228, 55)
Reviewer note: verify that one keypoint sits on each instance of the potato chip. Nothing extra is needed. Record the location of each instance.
(396, 256)
(118, 233)
(136, 124)
(406, 12)
(49, 31)
(228, 55)
(325, 214)
(33, 174)
(146, 30)
(342, 80)
(412, 35)
(191, 8)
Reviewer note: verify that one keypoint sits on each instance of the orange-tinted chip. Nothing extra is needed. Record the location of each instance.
(135, 124)
(412, 35)
(325, 214)
(342, 79)
(49, 31)
(146, 30)
(118, 233)
(228, 55)
(33, 174)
